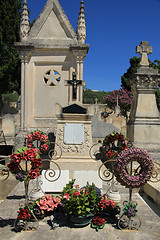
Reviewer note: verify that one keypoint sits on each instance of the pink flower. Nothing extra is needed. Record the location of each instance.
(66, 196)
(48, 197)
(44, 138)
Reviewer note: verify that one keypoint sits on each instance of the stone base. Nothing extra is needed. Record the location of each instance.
(84, 170)
(20, 139)
(145, 135)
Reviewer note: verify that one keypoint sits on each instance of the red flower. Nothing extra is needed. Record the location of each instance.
(29, 138)
(23, 214)
(29, 145)
(16, 158)
(66, 196)
(120, 136)
(44, 138)
(33, 173)
(37, 135)
(76, 193)
(13, 167)
(109, 154)
(99, 221)
(44, 147)
(29, 155)
(36, 163)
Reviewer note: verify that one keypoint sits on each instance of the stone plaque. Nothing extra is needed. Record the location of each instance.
(73, 133)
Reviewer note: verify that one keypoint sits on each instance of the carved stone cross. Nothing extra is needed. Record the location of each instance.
(144, 49)
(74, 82)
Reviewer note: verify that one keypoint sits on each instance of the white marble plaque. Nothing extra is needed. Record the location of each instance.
(73, 133)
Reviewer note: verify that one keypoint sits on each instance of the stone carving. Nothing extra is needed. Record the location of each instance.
(144, 49)
(24, 26)
(81, 25)
(52, 77)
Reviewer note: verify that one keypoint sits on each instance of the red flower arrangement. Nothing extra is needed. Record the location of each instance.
(98, 223)
(20, 160)
(113, 144)
(41, 140)
(108, 206)
(24, 214)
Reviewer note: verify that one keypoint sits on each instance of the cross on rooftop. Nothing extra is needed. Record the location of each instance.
(144, 49)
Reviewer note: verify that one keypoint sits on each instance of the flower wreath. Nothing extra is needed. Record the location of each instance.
(41, 138)
(113, 144)
(25, 164)
(141, 176)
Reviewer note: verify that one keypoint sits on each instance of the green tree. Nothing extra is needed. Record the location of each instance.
(10, 13)
(90, 96)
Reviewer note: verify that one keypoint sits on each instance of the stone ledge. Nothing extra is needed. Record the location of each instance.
(153, 191)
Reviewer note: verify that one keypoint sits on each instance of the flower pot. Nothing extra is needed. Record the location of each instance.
(80, 221)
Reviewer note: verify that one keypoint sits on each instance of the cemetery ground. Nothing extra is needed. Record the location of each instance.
(150, 221)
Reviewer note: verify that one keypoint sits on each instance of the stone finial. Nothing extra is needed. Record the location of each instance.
(81, 25)
(24, 25)
(144, 49)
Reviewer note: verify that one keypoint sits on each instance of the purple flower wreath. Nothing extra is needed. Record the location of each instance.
(141, 175)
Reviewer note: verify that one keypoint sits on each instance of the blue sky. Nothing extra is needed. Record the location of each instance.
(114, 29)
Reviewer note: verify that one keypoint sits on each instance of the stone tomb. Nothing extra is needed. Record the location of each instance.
(52, 56)
(75, 139)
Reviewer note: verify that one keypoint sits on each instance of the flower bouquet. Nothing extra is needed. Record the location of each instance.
(46, 205)
(79, 204)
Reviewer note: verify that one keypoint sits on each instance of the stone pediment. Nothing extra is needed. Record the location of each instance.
(74, 109)
(52, 27)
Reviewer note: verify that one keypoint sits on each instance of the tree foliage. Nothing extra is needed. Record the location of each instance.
(10, 13)
(90, 96)
(124, 98)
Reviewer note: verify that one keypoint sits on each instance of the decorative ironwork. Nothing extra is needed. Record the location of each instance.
(105, 171)
(156, 173)
(56, 151)
(95, 152)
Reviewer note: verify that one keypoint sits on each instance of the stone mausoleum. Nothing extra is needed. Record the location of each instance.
(52, 56)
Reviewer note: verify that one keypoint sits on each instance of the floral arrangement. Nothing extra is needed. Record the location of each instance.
(108, 206)
(79, 202)
(25, 164)
(139, 176)
(47, 203)
(41, 140)
(24, 214)
(113, 144)
(130, 210)
(98, 223)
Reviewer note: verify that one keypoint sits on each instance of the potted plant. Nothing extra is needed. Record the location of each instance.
(79, 204)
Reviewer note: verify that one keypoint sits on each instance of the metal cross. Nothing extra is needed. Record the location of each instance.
(144, 50)
(74, 82)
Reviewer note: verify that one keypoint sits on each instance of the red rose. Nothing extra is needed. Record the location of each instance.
(37, 135)
(16, 157)
(44, 138)
(33, 173)
(36, 163)
(13, 167)
(29, 155)
(29, 145)
(44, 147)
(29, 138)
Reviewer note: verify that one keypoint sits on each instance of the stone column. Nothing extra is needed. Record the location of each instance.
(143, 127)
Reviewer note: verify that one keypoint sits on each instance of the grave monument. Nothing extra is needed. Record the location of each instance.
(144, 121)
(52, 56)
